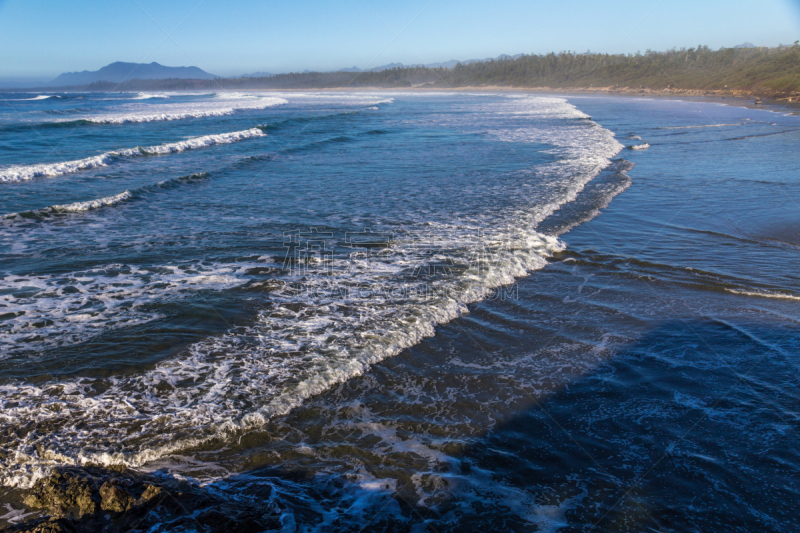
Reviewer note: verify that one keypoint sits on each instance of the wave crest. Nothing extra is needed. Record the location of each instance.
(24, 173)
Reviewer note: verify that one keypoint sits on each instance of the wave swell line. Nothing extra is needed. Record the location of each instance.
(50, 170)
(90, 205)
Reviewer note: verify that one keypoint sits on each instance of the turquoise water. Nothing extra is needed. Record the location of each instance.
(409, 311)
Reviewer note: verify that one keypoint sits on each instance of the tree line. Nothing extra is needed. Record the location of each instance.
(768, 71)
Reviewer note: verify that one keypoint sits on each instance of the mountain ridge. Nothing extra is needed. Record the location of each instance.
(120, 71)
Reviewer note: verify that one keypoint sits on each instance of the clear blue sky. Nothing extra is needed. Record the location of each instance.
(47, 37)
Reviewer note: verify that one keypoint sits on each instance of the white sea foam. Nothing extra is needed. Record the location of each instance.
(700, 126)
(80, 207)
(148, 96)
(318, 328)
(28, 172)
(14, 516)
(76, 207)
(765, 294)
(202, 142)
(147, 112)
(237, 96)
(46, 311)
(11, 219)
(644, 146)
(41, 97)
(357, 98)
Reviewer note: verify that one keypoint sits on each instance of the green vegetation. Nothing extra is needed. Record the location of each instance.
(765, 71)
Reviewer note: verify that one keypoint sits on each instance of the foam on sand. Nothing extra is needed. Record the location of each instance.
(23, 173)
(700, 126)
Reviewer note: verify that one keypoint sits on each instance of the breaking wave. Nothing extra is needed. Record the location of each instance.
(41, 97)
(23, 173)
(148, 96)
(90, 205)
(184, 111)
(318, 328)
(764, 294)
(700, 126)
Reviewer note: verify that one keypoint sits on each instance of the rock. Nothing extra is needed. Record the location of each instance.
(149, 493)
(115, 498)
(88, 499)
(48, 527)
(52, 525)
(62, 494)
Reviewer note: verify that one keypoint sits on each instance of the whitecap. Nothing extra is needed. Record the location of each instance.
(166, 112)
(76, 207)
(764, 294)
(318, 329)
(699, 126)
(41, 97)
(148, 96)
(28, 172)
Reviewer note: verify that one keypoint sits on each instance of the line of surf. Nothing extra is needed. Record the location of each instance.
(108, 201)
(199, 112)
(40, 97)
(372, 326)
(700, 126)
(50, 170)
(764, 294)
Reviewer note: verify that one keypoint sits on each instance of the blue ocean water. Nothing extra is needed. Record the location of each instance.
(409, 310)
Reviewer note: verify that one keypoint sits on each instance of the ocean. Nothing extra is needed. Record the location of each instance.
(410, 311)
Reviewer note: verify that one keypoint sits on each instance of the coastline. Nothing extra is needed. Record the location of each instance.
(777, 96)
(89, 497)
(755, 100)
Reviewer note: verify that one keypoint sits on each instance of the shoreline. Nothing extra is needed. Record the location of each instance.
(91, 498)
(782, 96)
(644, 91)
(743, 98)
(739, 98)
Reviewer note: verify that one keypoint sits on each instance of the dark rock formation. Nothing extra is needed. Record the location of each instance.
(78, 500)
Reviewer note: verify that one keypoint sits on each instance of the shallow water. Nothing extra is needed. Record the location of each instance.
(402, 311)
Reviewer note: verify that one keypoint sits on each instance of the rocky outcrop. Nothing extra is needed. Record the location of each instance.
(77, 500)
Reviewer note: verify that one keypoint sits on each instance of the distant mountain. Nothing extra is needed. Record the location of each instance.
(446, 64)
(501, 57)
(373, 69)
(745, 45)
(258, 74)
(119, 72)
(386, 67)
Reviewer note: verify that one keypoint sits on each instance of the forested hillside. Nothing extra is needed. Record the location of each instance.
(765, 71)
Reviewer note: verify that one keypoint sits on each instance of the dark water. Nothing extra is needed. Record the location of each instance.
(410, 311)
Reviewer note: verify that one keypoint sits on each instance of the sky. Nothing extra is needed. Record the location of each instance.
(41, 39)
